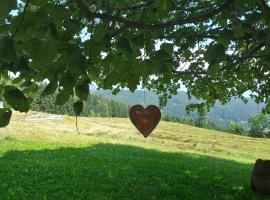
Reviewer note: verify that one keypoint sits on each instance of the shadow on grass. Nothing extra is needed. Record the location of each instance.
(107, 171)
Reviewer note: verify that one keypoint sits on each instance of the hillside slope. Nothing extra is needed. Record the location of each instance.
(111, 160)
(236, 110)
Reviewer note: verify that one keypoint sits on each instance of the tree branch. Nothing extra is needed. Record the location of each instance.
(124, 8)
(237, 62)
(22, 18)
(248, 55)
(264, 5)
(188, 72)
(134, 7)
(90, 15)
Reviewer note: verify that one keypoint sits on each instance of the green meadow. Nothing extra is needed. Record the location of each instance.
(109, 159)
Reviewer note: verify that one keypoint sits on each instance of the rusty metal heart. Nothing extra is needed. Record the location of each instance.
(145, 119)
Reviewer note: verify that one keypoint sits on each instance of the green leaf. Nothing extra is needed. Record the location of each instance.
(53, 30)
(138, 40)
(167, 47)
(5, 115)
(99, 34)
(162, 5)
(17, 80)
(57, 12)
(62, 98)
(214, 53)
(39, 2)
(213, 69)
(225, 37)
(161, 56)
(50, 88)
(75, 62)
(72, 26)
(6, 6)
(124, 45)
(239, 4)
(16, 99)
(7, 50)
(29, 87)
(78, 107)
(21, 64)
(41, 51)
(68, 81)
(238, 31)
(82, 90)
(242, 30)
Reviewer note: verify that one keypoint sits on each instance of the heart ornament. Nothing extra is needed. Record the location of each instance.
(145, 119)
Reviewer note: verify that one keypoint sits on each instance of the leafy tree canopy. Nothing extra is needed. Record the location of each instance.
(260, 125)
(217, 49)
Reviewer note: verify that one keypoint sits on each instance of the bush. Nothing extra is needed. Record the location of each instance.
(170, 118)
(236, 128)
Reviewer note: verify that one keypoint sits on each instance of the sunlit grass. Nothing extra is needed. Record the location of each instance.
(166, 137)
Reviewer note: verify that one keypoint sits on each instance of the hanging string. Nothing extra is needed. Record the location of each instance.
(77, 125)
(144, 98)
(144, 101)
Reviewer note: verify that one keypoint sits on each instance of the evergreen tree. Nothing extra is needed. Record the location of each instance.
(94, 106)
(202, 118)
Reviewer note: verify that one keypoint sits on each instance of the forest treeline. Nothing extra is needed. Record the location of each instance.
(95, 106)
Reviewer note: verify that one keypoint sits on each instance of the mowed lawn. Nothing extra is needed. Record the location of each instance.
(109, 159)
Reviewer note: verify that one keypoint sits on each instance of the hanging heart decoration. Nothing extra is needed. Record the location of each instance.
(145, 119)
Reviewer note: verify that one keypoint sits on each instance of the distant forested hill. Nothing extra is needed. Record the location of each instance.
(95, 105)
(221, 115)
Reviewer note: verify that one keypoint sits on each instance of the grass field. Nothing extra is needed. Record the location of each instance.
(111, 160)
